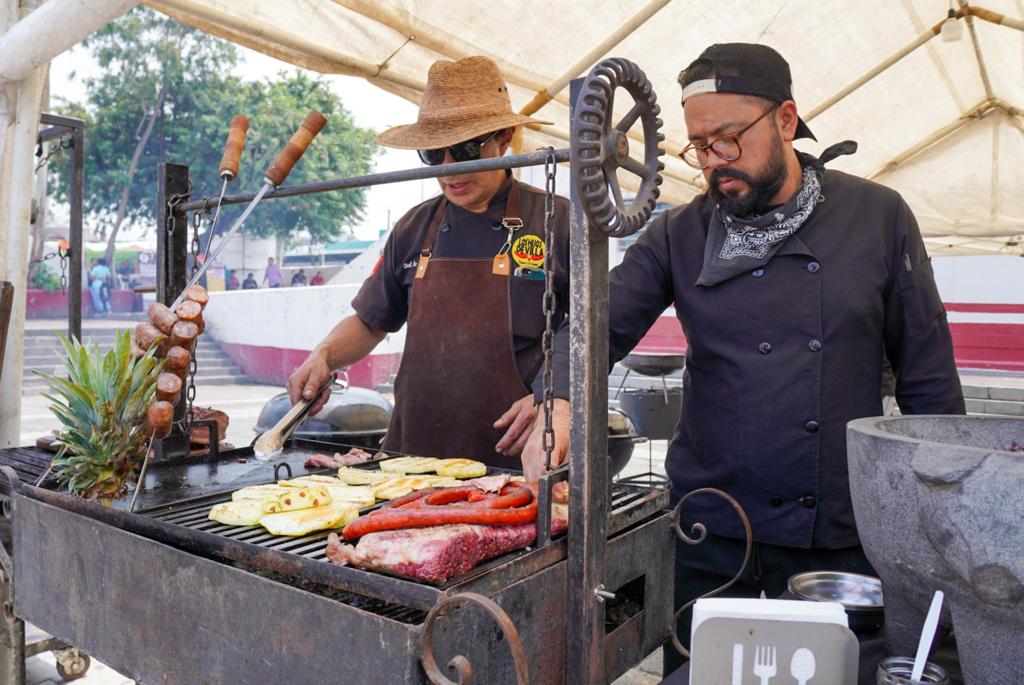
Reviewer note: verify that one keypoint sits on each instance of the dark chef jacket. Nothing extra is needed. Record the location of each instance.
(781, 358)
(383, 300)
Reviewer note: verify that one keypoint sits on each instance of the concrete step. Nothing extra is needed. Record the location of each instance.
(995, 407)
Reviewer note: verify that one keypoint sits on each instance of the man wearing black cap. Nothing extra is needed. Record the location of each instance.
(792, 284)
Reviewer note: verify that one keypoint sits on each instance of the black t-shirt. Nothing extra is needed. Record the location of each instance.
(383, 300)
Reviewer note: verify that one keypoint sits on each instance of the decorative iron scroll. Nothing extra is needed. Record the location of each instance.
(600, 149)
(700, 532)
(459, 664)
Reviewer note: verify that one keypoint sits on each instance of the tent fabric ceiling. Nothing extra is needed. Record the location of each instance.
(943, 125)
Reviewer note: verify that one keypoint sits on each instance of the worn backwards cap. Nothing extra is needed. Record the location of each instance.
(743, 68)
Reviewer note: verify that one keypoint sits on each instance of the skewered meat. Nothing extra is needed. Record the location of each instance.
(147, 335)
(161, 316)
(168, 387)
(178, 361)
(184, 333)
(159, 418)
(197, 293)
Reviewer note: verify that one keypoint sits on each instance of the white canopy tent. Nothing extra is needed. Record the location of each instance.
(941, 122)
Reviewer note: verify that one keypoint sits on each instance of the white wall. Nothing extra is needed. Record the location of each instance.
(989, 279)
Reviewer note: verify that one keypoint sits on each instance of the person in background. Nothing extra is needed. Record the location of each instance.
(250, 283)
(299, 278)
(98, 277)
(318, 279)
(124, 273)
(233, 283)
(272, 275)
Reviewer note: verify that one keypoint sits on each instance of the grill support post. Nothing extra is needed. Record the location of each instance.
(173, 188)
(588, 440)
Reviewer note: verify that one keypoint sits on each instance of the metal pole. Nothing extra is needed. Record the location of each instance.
(173, 188)
(12, 637)
(75, 233)
(474, 166)
(588, 442)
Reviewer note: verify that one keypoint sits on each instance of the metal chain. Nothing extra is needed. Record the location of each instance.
(56, 149)
(193, 368)
(64, 257)
(548, 339)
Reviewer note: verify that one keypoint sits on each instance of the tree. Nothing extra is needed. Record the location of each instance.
(166, 92)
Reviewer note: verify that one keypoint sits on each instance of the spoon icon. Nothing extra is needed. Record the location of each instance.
(802, 665)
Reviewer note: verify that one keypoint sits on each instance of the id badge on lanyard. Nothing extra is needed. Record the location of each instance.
(501, 265)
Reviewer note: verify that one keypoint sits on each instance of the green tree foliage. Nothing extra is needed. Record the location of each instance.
(177, 82)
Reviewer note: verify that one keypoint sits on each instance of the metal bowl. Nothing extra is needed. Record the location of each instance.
(860, 595)
(654, 363)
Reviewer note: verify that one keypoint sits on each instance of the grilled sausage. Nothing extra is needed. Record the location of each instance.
(159, 418)
(137, 352)
(147, 335)
(177, 361)
(197, 293)
(183, 333)
(161, 316)
(419, 514)
(189, 310)
(168, 387)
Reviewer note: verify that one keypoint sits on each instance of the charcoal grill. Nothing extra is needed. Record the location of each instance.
(178, 580)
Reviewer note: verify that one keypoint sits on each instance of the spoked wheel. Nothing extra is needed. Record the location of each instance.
(599, 149)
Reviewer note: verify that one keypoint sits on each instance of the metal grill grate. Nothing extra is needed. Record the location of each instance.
(28, 462)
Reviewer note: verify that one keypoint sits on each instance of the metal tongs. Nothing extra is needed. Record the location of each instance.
(270, 443)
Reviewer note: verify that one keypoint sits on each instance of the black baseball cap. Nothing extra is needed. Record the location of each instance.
(743, 68)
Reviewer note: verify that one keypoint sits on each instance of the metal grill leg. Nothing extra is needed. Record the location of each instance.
(12, 636)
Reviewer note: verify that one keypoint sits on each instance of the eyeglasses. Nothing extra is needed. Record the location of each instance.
(727, 147)
(460, 152)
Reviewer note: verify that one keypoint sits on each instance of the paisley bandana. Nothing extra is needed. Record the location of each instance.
(736, 245)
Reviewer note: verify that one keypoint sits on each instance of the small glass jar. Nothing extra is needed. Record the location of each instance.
(896, 670)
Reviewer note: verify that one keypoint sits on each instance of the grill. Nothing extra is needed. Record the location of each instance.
(28, 462)
(294, 590)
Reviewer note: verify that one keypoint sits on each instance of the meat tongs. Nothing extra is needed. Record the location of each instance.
(268, 444)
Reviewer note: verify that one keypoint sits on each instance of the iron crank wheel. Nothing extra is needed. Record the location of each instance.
(72, 663)
(599, 149)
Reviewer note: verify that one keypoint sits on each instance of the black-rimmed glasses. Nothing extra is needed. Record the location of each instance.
(727, 147)
(460, 152)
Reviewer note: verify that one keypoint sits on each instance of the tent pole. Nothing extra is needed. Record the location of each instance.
(14, 232)
(878, 69)
(978, 112)
(996, 18)
(982, 69)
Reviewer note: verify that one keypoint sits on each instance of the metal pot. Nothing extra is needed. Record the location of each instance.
(654, 411)
(622, 437)
(352, 416)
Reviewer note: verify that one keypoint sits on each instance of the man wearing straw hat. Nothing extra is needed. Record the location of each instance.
(465, 272)
(792, 282)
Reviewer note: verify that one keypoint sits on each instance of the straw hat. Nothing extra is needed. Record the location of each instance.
(462, 100)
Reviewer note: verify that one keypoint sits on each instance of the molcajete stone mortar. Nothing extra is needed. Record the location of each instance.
(940, 506)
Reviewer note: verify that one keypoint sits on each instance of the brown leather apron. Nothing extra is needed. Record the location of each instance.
(458, 372)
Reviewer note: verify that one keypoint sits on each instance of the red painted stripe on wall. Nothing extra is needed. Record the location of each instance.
(273, 365)
(981, 307)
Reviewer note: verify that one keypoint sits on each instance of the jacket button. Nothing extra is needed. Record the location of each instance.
(814, 346)
(811, 426)
(813, 267)
(757, 273)
(775, 502)
(765, 348)
(809, 502)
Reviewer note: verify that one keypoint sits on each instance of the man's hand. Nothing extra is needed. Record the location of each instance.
(533, 453)
(305, 380)
(519, 421)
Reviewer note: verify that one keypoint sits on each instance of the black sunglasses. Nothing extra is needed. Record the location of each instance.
(461, 152)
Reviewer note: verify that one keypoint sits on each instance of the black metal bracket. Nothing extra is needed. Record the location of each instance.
(545, 485)
(700, 533)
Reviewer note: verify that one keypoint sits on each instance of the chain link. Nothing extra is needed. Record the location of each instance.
(190, 389)
(548, 339)
(64, 257)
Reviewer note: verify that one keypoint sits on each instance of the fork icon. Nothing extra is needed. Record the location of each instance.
(764, 663)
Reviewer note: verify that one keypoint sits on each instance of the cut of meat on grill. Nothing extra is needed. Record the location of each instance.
(438, 553)
(351, 458)
(431, 555)
(200, 435)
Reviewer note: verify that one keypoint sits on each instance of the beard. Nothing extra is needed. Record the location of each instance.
(761, 188)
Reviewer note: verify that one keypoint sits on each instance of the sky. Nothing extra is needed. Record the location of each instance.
(370, 106)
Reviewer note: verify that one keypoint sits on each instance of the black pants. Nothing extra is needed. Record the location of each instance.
(702, 568)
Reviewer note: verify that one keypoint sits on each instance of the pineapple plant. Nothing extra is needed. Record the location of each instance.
(101, 406)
